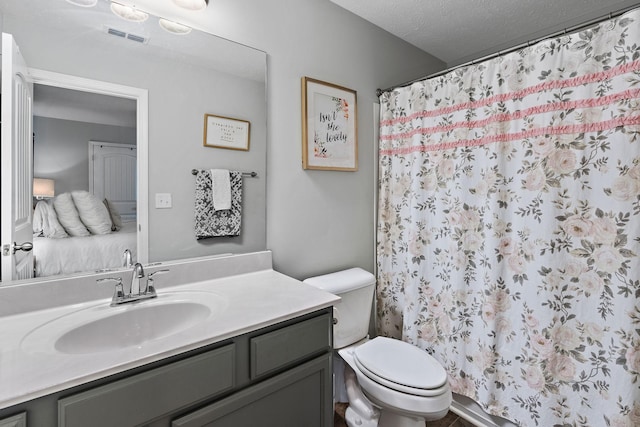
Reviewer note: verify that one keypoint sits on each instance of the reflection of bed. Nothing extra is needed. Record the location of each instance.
(78, 232)
(88, 253)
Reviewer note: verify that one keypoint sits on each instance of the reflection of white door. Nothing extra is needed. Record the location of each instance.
(17, 166)
(112, 175)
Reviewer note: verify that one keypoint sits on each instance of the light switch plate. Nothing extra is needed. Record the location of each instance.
(163, 200)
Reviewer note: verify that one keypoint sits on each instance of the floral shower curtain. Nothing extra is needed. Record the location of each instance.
(509, 227)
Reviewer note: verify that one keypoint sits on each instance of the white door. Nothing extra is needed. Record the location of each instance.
(16, 212)
(112, 175)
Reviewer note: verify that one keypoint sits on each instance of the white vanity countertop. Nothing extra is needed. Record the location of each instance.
(253, 300)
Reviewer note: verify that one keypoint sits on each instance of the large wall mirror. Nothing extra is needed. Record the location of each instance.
(105, 84)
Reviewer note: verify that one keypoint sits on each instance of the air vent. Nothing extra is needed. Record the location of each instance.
(115, 32)
(136, 38)
(125, 35)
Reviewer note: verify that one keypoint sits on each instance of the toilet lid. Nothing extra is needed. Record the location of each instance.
(399, 365)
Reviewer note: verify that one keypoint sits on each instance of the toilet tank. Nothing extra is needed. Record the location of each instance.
(351, 314)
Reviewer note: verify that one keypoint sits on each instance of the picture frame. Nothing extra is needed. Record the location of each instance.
(329, 126)
(226, 132)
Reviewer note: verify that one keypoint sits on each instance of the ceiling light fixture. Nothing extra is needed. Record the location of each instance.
(129, 13)
(174, 27)
(83, 3)
(192, 4)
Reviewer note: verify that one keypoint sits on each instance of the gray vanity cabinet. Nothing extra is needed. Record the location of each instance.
(278, 376)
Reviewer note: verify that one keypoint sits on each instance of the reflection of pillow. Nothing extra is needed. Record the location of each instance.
(51, 227)
(93, 214)
(115, 215)
(68, 215)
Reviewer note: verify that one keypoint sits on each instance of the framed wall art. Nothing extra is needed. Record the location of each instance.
(225, 132)
(329, 126)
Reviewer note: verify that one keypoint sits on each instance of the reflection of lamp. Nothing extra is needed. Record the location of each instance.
(192, 4)
(43, 188)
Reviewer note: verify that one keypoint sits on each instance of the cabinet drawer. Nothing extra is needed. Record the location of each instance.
(290, 344)
(151, 394)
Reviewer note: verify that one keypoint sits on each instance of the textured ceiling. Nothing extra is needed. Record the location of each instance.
(458, 31)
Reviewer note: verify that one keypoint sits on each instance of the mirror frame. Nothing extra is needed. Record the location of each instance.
(141, 96)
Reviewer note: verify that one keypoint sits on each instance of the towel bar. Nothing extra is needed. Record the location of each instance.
(251, 174)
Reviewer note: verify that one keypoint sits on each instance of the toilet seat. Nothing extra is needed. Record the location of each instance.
(413, 371)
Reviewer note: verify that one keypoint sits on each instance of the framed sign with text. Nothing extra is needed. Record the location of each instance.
(329, 126)
(225, 132)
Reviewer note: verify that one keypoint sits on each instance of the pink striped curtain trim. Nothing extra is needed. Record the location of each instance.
(556, 84)
(505, 117)
(507, 137)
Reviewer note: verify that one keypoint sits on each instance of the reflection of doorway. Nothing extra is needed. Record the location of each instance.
(112, 175)
(51, 82)
(87, 87)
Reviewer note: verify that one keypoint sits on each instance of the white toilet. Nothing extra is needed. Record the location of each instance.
(389, 383)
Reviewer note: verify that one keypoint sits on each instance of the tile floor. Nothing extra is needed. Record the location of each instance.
(451, 420)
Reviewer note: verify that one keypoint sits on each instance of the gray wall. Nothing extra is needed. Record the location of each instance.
(61, 149)
(319, 221)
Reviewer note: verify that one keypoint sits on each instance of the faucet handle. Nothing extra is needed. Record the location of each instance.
(118, 293)
(150, 288)
(166, 270)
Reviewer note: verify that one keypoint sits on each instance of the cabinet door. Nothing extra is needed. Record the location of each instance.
(143, 397)
(19, 420)
(302, 396)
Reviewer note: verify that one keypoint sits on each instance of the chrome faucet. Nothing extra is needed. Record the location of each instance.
(136, 292)
(138, 273)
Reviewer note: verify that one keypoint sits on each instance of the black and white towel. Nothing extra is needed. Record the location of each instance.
(217, 223)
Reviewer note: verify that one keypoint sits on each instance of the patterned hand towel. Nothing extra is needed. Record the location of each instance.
(208, 221)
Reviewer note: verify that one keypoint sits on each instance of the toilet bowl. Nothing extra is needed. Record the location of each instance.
(406, 385)
(389, 383)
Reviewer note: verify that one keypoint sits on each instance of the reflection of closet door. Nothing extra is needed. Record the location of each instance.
(112, 175)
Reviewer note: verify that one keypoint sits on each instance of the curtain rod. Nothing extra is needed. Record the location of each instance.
(573, 29)
(251, 174)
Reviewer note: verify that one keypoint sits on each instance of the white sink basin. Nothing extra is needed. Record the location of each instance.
(101, 328)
